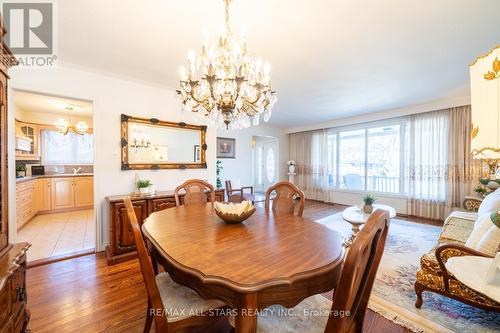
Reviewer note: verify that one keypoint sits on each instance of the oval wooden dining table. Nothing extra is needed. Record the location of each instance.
(263, 261)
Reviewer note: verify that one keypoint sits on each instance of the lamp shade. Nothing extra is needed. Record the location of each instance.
(485, 99)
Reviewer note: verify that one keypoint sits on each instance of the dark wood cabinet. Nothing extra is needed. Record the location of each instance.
(124, 237)
(122, 245)
(14, 316)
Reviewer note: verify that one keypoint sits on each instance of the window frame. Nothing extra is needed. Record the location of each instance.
(335, 131)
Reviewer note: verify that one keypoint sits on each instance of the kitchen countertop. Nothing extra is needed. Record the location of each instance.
(55, 175)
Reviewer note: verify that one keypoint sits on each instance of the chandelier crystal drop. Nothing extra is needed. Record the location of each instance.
(226, 84)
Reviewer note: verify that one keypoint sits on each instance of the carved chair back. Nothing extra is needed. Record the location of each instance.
(284, 202)
(358, 275)
(154, 298)
(195, 192)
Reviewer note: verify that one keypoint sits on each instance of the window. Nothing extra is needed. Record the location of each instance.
(368, 158)
(384, 160)
(67, 149)
(352, 159)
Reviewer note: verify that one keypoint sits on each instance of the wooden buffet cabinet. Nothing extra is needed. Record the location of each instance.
(14, 316)
(121, 239)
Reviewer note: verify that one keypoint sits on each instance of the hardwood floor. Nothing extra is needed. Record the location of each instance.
(85, 295)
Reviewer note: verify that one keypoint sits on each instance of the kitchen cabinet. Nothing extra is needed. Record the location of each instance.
(63, 193)
(32, 132)
(84, 191)
(72, 192)
(43, 194)
(121, 237)
(52, 194)
(25, 205)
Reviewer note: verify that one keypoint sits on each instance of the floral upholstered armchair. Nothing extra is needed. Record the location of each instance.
(433, 275)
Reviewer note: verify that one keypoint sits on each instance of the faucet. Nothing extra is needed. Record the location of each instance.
(75, 171)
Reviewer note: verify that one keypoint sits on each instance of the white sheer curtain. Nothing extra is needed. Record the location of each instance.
(427, 159)
(440, 170)
(310, 151)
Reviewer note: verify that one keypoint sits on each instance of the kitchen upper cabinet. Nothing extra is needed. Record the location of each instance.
(84, 191)
(63, 193)
(32, 132)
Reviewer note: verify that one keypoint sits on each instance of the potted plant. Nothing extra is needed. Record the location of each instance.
(144, 186)
(481, 191)
(291, 166)
(21, 171)
(368, 199)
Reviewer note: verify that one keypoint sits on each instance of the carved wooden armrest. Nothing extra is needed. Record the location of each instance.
(472, 203)
(447, 251)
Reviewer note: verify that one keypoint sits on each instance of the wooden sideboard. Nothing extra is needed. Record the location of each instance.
(14, 316)
(121, 238)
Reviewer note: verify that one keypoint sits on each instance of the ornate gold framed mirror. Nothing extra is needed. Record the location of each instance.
(156, 144)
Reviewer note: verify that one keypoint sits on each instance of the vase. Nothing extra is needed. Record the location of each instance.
(291, 168)
(144, 190)
(368, 209)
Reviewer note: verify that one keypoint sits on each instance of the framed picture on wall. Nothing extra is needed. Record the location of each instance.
(226, 148)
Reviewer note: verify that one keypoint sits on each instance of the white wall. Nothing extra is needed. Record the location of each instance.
(241, 167)
(111, 96)
(375, 116)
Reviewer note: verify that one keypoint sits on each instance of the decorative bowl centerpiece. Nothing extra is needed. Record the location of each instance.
(234, 212)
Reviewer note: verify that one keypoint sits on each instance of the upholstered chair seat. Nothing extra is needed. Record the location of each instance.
(182, 302)
(309, 316)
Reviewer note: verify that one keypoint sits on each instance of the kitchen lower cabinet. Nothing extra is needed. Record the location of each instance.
(63, 193)
(52, 194)
(84, 191)
(44, 194)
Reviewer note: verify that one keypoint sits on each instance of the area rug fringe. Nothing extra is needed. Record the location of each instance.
(401, 316)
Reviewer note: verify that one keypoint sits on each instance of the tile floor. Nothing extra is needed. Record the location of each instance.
(52, 235)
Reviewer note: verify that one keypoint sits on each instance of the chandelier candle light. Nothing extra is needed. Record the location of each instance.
(233, 89)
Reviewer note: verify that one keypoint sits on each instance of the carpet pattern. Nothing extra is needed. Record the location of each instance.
(393, 295)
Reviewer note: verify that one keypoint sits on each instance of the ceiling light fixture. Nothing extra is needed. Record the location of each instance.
(233, 88)
(64, 125)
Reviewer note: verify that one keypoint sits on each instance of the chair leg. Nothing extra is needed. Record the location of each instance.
(419, 289)
(149, 319)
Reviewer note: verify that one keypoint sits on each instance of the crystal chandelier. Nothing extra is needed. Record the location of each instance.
(64, 126)
(232, 88)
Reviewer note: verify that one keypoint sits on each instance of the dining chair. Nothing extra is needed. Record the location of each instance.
(284, 201)
(170, 305)
(195, 192)
(237, 193)
(350, 300)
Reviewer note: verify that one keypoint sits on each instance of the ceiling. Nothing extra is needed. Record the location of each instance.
(330, 59)
(31, 102)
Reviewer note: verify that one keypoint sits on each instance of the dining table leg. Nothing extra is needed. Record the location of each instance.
(246, 319)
